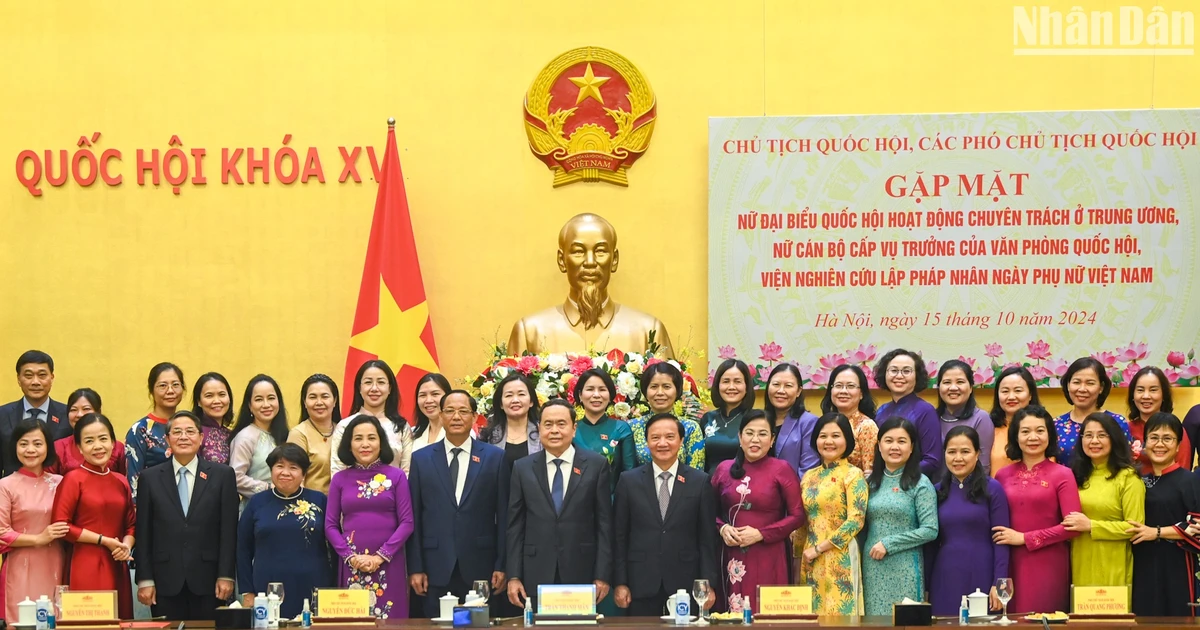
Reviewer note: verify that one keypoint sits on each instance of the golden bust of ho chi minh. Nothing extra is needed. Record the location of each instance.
(588, 319)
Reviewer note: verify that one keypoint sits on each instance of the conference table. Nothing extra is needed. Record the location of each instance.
(825, 623)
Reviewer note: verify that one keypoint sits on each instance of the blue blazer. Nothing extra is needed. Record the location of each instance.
(470, 534)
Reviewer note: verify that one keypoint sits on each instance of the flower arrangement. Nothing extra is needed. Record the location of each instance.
(554, 376)
(1183, 369)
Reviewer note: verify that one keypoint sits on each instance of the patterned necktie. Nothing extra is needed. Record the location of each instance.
(664, 494)
(184, 499)
(556, 488)
(454, 453)
(34, 413)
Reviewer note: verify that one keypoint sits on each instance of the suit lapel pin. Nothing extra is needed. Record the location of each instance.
(576, 471)
(602, 436)
(679, 478)
(475, 458)
(203, 475)
(54, 418)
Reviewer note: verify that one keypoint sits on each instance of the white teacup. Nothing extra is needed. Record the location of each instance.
(446, 604)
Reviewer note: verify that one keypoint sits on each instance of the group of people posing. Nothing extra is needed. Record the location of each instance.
(866, 505)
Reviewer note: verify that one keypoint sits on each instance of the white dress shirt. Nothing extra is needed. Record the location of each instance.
(568, 458)
(464, 460)
(670, 481)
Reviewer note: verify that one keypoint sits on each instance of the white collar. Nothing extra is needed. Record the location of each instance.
(674, 469)
(568, 457)
(45, 407)
(191, 466)
(466, 446)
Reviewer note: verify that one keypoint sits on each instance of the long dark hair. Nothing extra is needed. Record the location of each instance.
(738, 469)
(227, 419)
(497, 418)
(422, 420)
(1120, 457)
(718, 401)
(866, 404)
(797, 408)
(997, 414)
(336, 411)
(976, 481)
(391, 405)
(1167, 404)
(245, 418)
(969, 407)
(912, 467)
(1013, 450)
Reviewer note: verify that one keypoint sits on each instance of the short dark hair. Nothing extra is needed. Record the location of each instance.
(87, 394)
(719, 402)
(737, 469)
(1013, 450)
(589, 375)
(34, 356)
(26, 427)
(1168, 405)
(910, 475)
(1164, 419)
(498, 418)
(866, 405)
(998, 416)
(663, 417)
(90, 419)
(921, 376)
(962, 366)
(474, 403)
(289, 452)
(559, 402)
(662, 367)
(843, 423)
(1087, 363)
(336, 411)
(186, 415)
(346, 453)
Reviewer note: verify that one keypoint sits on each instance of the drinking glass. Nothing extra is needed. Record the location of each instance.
(483, 588)
(276, 589)
(1004, 590)
(701, 590)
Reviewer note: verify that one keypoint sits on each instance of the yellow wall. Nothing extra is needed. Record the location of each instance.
(264, 278)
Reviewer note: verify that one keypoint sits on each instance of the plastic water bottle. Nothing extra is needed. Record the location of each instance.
(272, 611)
(43, 613)
(306, 616)
(528, 612)
(683, 608)
(747, 616)
(964, 612)
(260, 611)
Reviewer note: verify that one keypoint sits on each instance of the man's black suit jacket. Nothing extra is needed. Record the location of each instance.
(193, 551)
(653, 552)
(57, 426)
(576, 545)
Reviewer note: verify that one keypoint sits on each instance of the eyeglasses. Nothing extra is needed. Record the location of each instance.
(162, 387)
(183, 432)
(1095, 437)
(850, 387)
(901, 371)
(1156, 439)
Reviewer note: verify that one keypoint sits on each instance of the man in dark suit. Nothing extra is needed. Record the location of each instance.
(35, 376)
(187, 513)
(559, 512)
(459, 492)
(666, 532)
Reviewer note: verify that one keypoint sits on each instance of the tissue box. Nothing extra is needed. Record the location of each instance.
(920, 614)
(234, 618)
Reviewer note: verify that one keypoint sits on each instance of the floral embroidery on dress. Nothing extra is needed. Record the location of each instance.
(737, 570)
(375, 584)
(375, 487)
(307, 513)
(737, 603)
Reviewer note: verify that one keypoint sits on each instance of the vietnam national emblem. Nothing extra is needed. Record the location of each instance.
(589, 116)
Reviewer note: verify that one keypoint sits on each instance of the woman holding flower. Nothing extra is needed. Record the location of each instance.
(600, 432)
(281, 534)
(370, 517)
(662, 387)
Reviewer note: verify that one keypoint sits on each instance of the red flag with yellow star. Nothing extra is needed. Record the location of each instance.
(391, 321)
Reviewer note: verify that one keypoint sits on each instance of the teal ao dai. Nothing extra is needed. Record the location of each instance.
(904, 521)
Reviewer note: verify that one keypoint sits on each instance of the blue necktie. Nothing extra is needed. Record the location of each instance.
(183, 490)
(556, 487)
